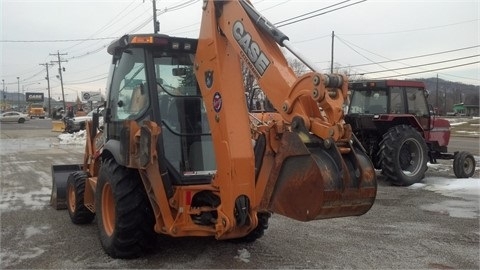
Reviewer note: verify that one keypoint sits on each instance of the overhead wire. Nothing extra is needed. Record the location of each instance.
(311, 12)
(422, 65)
(348, 45)
(432, 70)
(106, 26)
(316, 15)
(406, 58)
(412, 30)
(282, 23)
(134, 30)
(417, 56)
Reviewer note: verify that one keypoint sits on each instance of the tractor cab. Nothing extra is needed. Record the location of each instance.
(152, 78)
(378, 99)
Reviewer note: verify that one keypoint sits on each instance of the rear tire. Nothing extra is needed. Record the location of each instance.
(124, 215)
(463, 165)
(79, 214)
(21, 120)
(403, 155)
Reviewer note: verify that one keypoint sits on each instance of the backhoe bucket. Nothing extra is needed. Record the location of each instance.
(60, 175)
(319, 182)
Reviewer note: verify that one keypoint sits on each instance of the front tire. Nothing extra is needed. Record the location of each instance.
(463, 165)
(124, 216)
(256, 233)
(403, 155)
(78, 212)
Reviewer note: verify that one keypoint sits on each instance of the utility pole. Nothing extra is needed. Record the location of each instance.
(156, 24)
(331, 61)
(18, 93)
(3, 95)
(445, 102)
(436, 102)
(48, 88)
(60, 74)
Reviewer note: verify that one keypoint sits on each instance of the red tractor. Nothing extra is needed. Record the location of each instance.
(400, 133)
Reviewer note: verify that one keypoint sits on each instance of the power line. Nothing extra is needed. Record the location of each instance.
(179, 6)
(133, 30)
(114, 33)
(413, 30)
(418, 56)
(83, 82)
(409, 66)
(422, 65)
(432, 70)
(311, 12)
(276, 5)
(360, 53)
(106, 26)
(316, 15)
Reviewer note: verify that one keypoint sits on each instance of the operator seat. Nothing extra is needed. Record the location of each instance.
(139, 99)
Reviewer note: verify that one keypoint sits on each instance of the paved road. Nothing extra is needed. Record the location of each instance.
(469, 144)
(402, 230)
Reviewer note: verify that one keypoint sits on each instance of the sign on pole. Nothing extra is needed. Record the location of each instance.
(33, 97)
(91, 96)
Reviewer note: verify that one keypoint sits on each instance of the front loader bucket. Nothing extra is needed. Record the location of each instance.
(58, 126)
(319, 182)
(60, 175)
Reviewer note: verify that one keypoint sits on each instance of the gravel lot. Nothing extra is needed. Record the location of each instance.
(407, 228)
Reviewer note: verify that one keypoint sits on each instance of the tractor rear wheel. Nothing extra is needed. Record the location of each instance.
(403, 155)
(463, 165)
(124, 215)
(79, 214)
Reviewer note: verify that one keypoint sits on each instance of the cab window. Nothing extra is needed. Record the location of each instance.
(416, 102)
(129, 89)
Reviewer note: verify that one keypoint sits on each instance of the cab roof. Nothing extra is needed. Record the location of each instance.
(153, 40)
(385, 83)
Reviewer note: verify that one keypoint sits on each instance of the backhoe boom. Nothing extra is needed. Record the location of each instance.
(311, 168)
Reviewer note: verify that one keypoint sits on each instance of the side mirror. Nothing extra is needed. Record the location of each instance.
(179, 71)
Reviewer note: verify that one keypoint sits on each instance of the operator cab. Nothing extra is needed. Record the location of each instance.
(152, 78)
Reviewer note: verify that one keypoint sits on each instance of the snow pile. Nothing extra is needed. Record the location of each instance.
(73, 138)
(457, 123)
(467, 188)
(464, 194)
(243, 255)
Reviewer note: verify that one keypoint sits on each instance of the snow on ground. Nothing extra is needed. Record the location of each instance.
(73, 138)
(457, 123)
(462, 196)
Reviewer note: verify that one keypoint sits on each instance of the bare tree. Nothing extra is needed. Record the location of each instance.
(297, 66)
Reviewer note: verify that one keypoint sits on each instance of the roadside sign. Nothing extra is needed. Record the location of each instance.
(91, 96)
(34, 97)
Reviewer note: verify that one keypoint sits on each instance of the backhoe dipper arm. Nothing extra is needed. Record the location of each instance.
(304, 174)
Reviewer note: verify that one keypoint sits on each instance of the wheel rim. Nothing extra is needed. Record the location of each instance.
(108, 209)
(468, 165)
(71, 198)
(410, 157)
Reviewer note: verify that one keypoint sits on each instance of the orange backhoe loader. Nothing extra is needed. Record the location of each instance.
(179, 153)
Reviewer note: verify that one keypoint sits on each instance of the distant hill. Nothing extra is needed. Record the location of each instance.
(455, 93)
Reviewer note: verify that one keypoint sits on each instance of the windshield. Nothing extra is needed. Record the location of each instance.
(368, 101)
